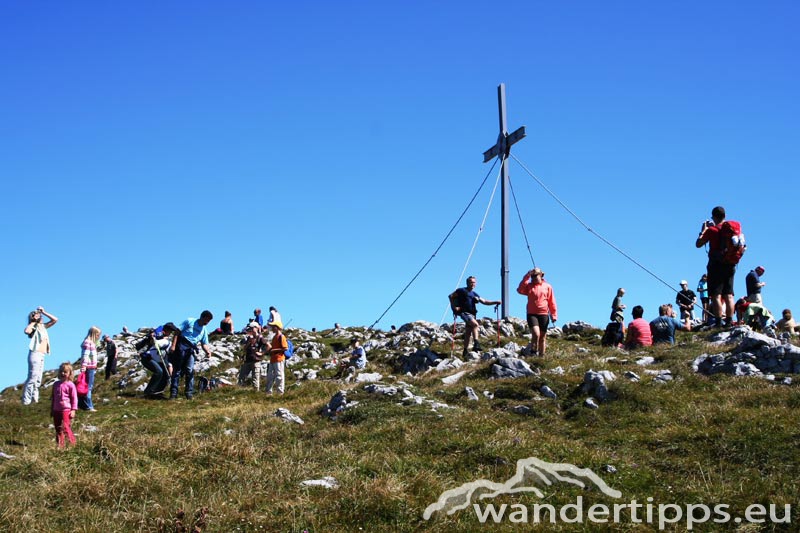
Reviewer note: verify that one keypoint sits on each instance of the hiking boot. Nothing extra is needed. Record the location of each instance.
(188, 396)
(172, 396)
(476, 347)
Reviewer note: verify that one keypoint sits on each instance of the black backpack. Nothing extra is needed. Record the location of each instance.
(455, 301)
(613, 334)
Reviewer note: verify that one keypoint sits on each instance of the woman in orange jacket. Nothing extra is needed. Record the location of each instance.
(541, 307)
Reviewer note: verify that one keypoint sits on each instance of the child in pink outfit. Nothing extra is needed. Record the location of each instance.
(64, 404)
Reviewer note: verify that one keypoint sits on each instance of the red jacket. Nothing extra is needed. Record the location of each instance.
(540, 297)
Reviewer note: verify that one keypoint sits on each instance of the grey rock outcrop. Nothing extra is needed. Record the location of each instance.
(470, 392)
(594, 384)
(288, 416)
(337, 404)
(509, 367)
(753, 355)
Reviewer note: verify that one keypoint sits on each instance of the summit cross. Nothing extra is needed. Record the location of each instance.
(501, 149)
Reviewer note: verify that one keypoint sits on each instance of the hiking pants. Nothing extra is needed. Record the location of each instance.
(250, 367)
(182, 364)
(111, 366)
(275, 376)
(158, 381)
(30, 391)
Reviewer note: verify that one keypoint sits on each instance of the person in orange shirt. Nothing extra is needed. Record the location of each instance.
(276, 358)
(541, 307)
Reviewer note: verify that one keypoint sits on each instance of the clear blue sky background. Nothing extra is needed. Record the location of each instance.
(162, 158)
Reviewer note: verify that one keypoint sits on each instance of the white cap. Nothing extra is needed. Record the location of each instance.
(684, 282)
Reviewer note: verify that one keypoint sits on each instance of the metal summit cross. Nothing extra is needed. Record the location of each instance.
(501, 150)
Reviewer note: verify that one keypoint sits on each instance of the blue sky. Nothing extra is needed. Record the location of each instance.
(159, 159)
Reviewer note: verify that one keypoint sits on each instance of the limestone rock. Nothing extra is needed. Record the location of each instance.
(471, 394)
(288, 416)
(547, 392)
(508, 367)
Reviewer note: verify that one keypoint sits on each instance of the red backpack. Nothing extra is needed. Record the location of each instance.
(732, 244)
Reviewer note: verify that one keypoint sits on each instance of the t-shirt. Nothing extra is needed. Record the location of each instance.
(466, 301)
(253, 346)
(702, 288)
(663, 329)
(639, 333)
(278, 343)
(193, 331)
(752, 280)
(274, 316)
(712, 237)
(685, 297)
(260, 319)
(359, 357)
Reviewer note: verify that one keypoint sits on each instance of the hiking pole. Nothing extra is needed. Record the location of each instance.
(164, 361)
(497, 316)
(453, 346)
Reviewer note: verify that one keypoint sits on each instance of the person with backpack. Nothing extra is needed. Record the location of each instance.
(277, 356)
(463, 304)
(662, 329)
(38, 347)
(183, 350)
(540, 309)
(638, 330)
(725, 248)
(686, 299)
(255, 347)
(154, 357)
(89, 366)
(754, 285)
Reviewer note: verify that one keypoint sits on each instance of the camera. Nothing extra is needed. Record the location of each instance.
(708, 223)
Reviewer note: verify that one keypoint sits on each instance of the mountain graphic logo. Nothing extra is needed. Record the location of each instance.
(530, 472)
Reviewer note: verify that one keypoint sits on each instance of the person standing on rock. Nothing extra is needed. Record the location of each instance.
(617, 307)
(183, 349)
(541, 307)
(111, 356)
(720, 273)
(638, 330)
(754, 285)
(463, 301)
(702, 293)
(276, 358)
(38, 347)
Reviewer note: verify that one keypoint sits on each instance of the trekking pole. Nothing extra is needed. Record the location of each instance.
(166, 364)
(453, 346)
(497, 316)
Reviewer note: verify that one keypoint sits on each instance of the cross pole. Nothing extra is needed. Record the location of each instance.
(501, 149)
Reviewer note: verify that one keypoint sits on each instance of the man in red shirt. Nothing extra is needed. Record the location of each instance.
(638, 330)
(720, 273)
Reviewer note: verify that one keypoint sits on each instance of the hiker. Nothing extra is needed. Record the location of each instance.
(63, 405)
(357, 361)
(686, 300)
(617, 307)
(638, 330)
(541, 307)
(720, 268)
(787, 323)
(154, 358)
(702, 292)
(276, 358)
(741, 307)
(38, 347)
(183, 349)
(274, 316)
(757, 316)
(258, 318)
(226, 325)
(125, 332)
(754, 285)
(662, 329)
(89, 366)
(254, 349)
(111, 356)
(614, 335)
(462, 302)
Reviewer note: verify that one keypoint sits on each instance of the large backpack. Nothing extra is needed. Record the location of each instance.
(613, 334)
(732, 244)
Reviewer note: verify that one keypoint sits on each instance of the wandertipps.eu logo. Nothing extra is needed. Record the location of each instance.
(531, 473)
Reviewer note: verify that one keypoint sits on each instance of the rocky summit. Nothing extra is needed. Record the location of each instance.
(710, 419)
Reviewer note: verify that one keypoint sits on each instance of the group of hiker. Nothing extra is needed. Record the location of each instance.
(169, 353)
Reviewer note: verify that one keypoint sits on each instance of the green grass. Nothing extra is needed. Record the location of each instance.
(168, 466)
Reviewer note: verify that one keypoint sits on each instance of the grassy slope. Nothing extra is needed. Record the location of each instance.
(695, 440)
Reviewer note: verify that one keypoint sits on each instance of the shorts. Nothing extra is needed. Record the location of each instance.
(720, 278)
(755, 298)
(467, 317)
(538, 320)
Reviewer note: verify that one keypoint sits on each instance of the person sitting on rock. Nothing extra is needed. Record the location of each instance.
(638, 330)
(540, 309)
(663, 328)
(274, 316)
(787, 323)
(357, 361)
(463, 302)
(757, 316)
